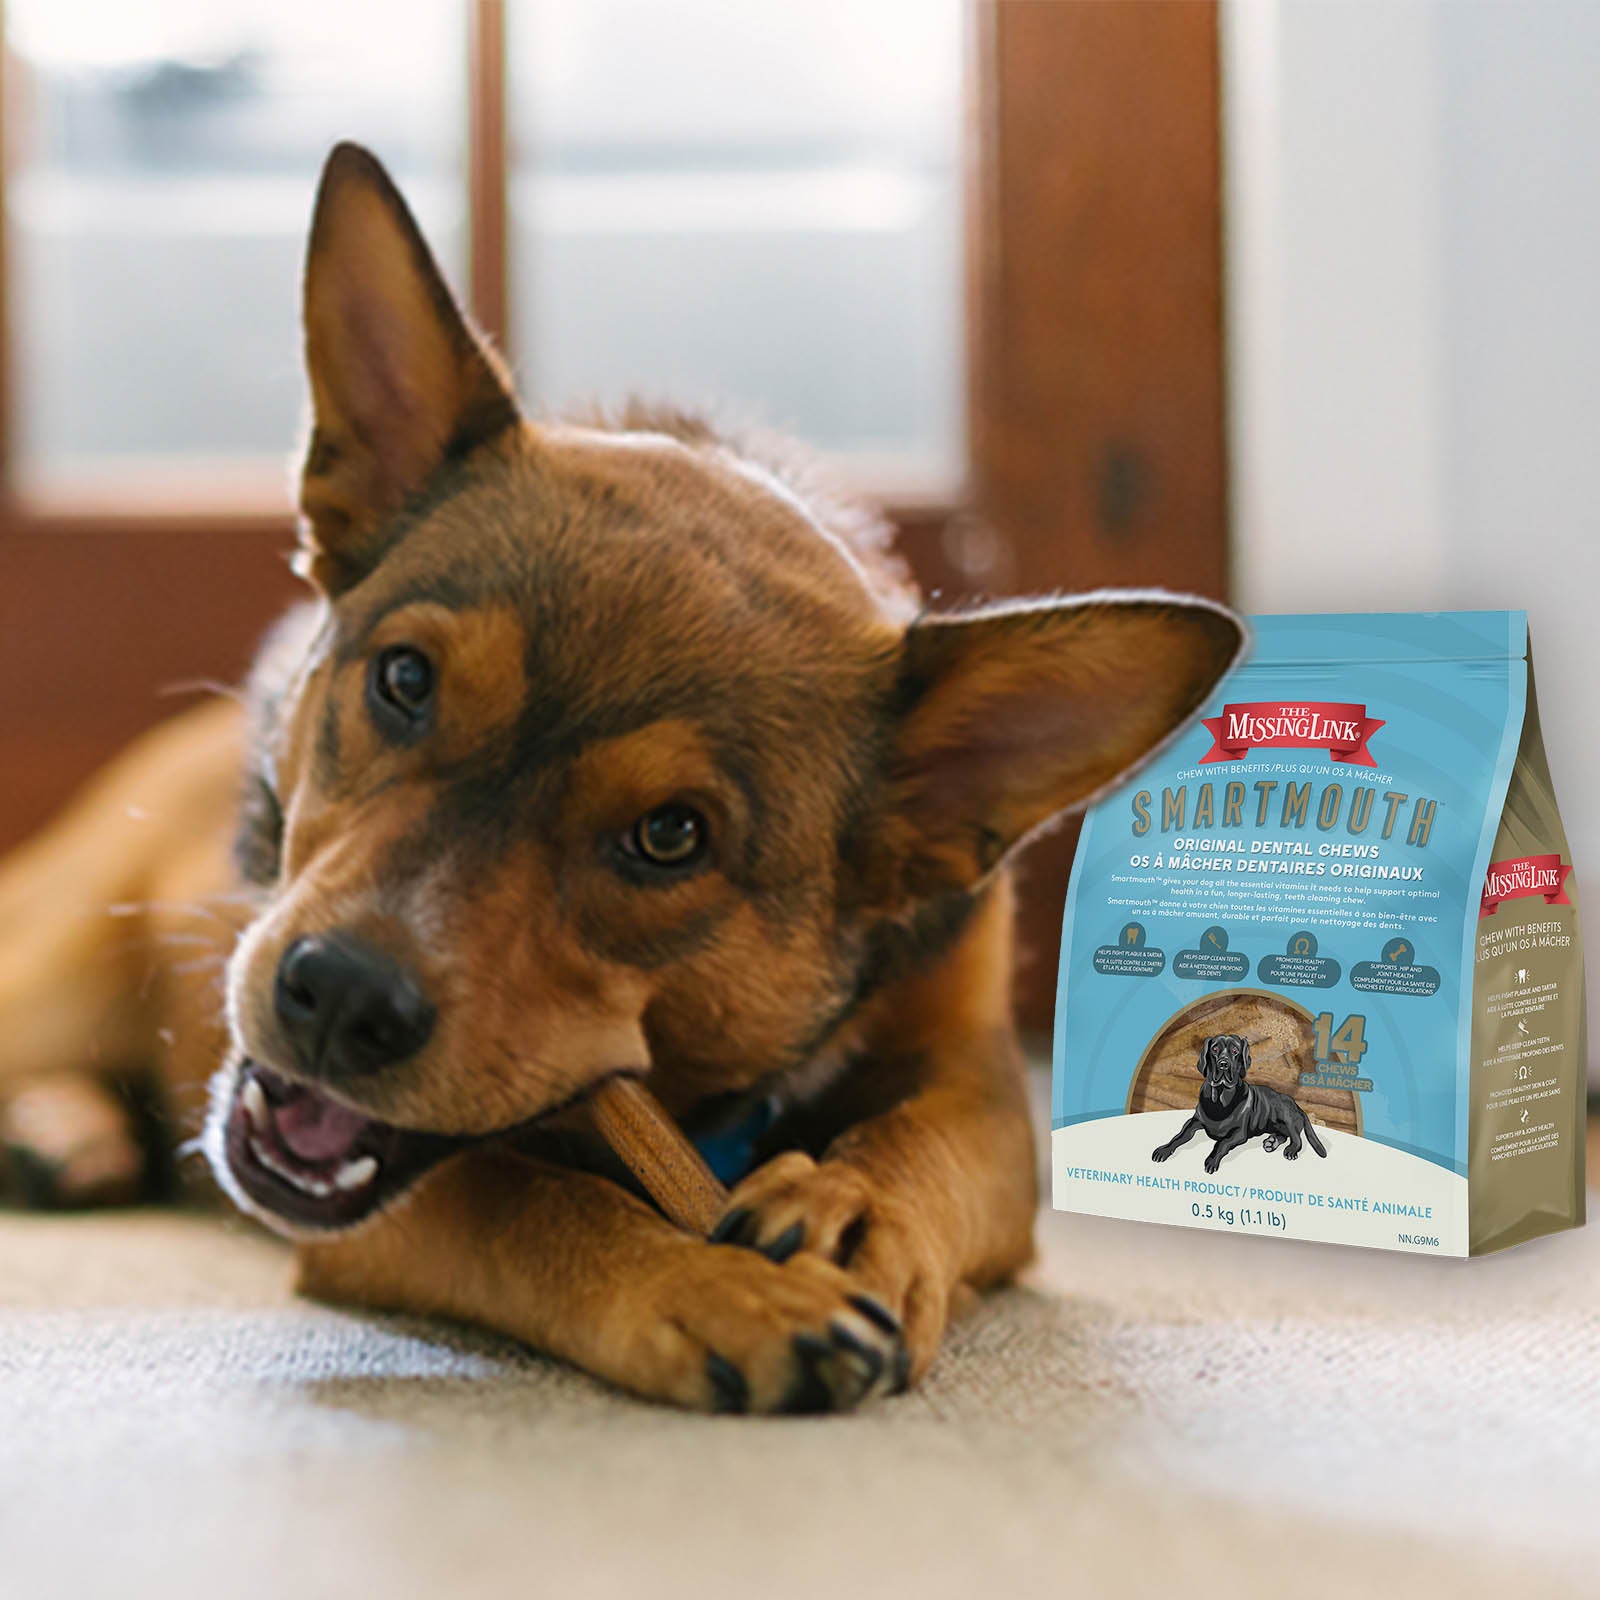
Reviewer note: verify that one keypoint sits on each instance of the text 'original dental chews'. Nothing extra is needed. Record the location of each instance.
(1321, 970)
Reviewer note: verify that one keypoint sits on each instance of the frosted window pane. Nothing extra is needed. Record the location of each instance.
(164, 157)
(756, 206)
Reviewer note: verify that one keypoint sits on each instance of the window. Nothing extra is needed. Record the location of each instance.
(757, 206)
(705, 203)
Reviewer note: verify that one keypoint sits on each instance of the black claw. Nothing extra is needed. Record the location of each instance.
(901, 1379)
(878, 1314)
(809, 1393)
(870, 1357)
(730, 1225)
(786, 1243)
(730, 1393)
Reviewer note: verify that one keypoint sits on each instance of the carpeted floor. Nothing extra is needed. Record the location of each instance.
(1219, 1415)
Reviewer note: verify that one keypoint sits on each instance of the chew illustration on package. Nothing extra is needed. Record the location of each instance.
(1321, 968)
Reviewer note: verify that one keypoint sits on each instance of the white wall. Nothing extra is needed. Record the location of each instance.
(1413, 234)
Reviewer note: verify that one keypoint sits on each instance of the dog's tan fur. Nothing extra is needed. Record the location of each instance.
(620, 616)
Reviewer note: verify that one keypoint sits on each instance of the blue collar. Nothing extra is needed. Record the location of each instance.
(730, 1149)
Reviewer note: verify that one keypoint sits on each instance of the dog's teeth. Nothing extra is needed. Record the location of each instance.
(255, 1102)
(356, 1174)
(312, 1183)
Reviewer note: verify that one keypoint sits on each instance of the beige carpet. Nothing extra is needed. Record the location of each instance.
(1206, 1414)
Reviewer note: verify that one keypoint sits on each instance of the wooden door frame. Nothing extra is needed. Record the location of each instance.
(1095, 403)
(1096, 336)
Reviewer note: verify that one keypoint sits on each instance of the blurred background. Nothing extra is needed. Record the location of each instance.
(757, 205)
(1284, 300)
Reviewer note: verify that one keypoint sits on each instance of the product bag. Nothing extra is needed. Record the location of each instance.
(1321, 970)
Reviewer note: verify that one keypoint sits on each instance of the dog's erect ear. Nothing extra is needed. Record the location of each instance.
(400, 385)
(1017, 713)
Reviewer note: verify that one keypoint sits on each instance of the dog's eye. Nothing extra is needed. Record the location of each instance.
(402, 681)
(672, 835)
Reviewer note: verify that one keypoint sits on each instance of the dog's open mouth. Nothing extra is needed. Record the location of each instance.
(302, 1156)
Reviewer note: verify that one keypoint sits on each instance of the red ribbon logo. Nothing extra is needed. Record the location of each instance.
(1522, 878)
(1339, 728)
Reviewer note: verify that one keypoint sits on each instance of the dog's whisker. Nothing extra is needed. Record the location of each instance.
(135, 946)
(199, 964)
(202, 906)
(211, 686)
(175, 940)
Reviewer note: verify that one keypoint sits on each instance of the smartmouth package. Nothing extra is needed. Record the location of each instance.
(1321, 969)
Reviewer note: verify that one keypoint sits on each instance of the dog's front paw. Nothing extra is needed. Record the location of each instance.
(737, 1332)
(798, 1208)
(1161, 1152)
(69, 1142)
(1213, 1161)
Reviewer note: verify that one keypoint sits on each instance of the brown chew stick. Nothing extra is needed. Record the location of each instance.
(658, 1153)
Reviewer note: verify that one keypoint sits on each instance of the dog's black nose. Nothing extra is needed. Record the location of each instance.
(348, 1009)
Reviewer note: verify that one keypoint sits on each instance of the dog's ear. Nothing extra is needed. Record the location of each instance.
(1244, 1056)
(400, 385)
(1016, 713)
(1205, 1057)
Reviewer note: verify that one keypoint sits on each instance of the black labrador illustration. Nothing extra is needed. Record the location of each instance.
(1233, 1111)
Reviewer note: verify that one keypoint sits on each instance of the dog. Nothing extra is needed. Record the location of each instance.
(604, 747)
(1233, 1112)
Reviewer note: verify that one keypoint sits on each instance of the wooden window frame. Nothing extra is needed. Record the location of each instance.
(1094, 402)
(246, 497)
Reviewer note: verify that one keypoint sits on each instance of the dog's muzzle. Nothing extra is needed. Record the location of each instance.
(299, 1157)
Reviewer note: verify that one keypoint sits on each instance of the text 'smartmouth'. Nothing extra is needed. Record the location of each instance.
(304, 1157)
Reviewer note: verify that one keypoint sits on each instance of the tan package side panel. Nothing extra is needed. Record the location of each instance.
(1525, 1160)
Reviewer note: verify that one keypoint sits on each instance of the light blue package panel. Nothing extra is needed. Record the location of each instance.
(1322, 832)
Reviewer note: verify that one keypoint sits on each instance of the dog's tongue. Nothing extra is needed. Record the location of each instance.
(314, 1128)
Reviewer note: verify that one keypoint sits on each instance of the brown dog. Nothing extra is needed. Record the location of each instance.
(603, 750)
